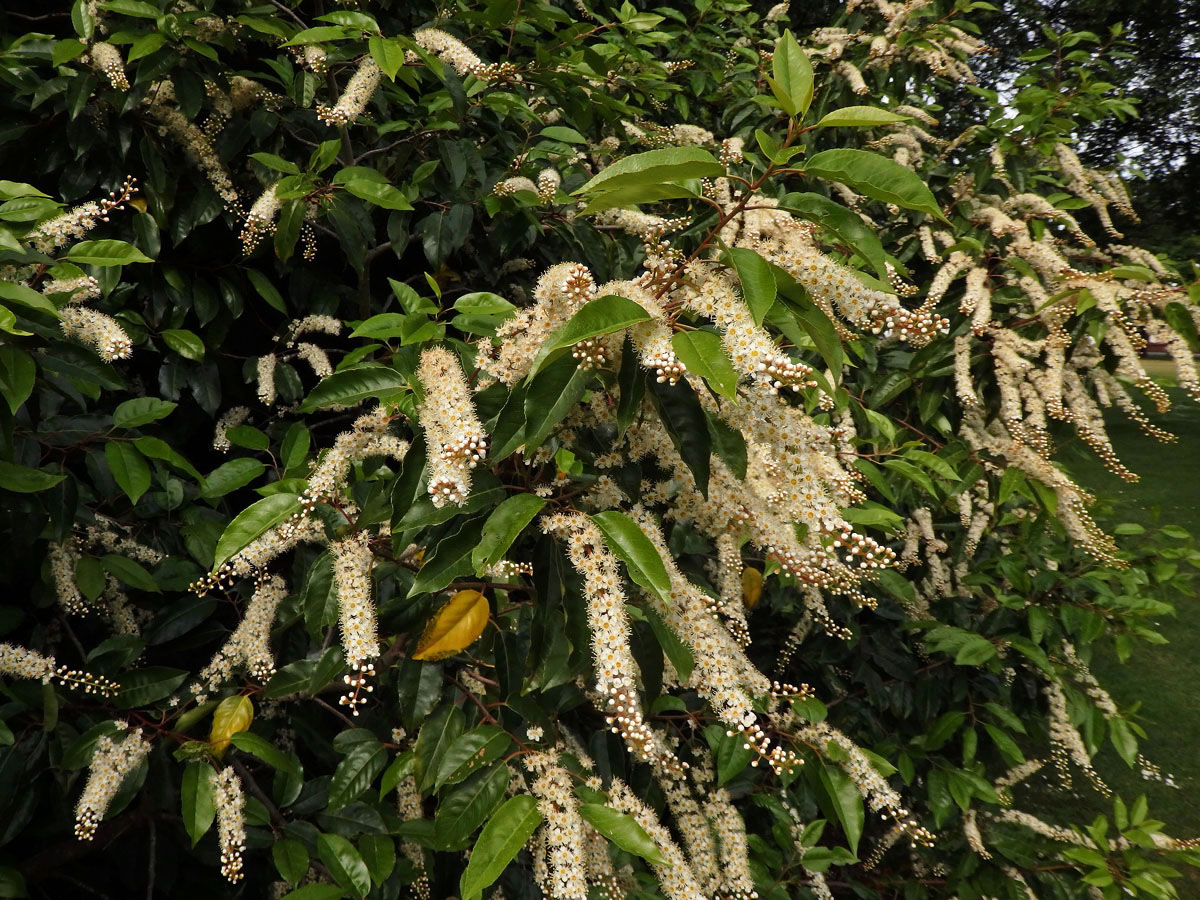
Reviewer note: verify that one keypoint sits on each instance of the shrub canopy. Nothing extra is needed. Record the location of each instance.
(615, 441)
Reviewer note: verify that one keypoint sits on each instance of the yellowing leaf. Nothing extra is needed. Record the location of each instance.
(233, 714)
(751, 587)
(456, 626)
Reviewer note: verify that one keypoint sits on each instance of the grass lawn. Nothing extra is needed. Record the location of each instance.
(1166, 679)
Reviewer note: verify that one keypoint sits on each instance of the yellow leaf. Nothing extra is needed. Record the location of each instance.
(233, 714)
(138, 203)
(456, 625)
(751, 587)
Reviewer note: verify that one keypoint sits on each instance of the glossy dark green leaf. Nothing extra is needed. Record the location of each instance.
(141, 411)
(702, 353)
(196, 800)
(291, 859)
(142, 687)
(356, 772)
(352, 386)
(502, 527)
(876, 176)
(469, 752)
(623, 830)
(655, 167)
(501, 839)
(604, 315)
(251, 522)
(24, 480)
(629, 543)
(344, 863)
(465, 808)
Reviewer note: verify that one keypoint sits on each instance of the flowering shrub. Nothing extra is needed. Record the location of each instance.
(617, 442)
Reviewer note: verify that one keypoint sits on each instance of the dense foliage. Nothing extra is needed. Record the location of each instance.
(614, 441)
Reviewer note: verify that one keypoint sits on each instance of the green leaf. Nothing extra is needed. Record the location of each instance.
(262, 749)
(824, 335)
(278, 163)
(387, 196)
(291, 859)
(792, 81)
(18, 371)
(266, 290)
(876, 176)
(247, 436)
(141, 687)
(230, 476)
(550, 397)
(859, 116)
(466, 807)
(975, 651)
(24, 480)
(388, 54)
(469, 753)
(252, 522)
(758, 282)
(626, 197)
(845, 801)
(450, 559)
(683, 416)
(157, 448)
(105, 253)
(623, 830)
(141, 411)
(145, 45)
(27, 296)
(384, 326)
(67, 50)
(128, 572)
(196, 797)
(136, 8)
(702, 353)
(501, 839)
(604, 315)
(845, 225)
(379, 853)
(484, 303)
(352, 386)
(356, 772)
(344, 863)
(1184, 325)
(128, 468)
(437, 733)
(502, 527)
(655, 167)
(186, 343)
(679, 653)
(1123, 739)
(629, 543)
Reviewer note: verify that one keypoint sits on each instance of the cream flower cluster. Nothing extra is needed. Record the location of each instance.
(112, 761)
(458, 55)
(107, 59)
(358, 93)
(408, 804)
(80, 289)
(563, 832)
(616, 671)
(230, 805)
(314, 324)
(456, 439)
(1066, 741)
(880, 796)
(234, 417)
(196, 145)
(98, 330)
(70, 226)
(249, 645)
(260, 221)
(352, 562)
(21, 662)
(559, 293)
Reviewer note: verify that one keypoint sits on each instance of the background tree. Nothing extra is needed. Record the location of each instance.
(615, 441)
